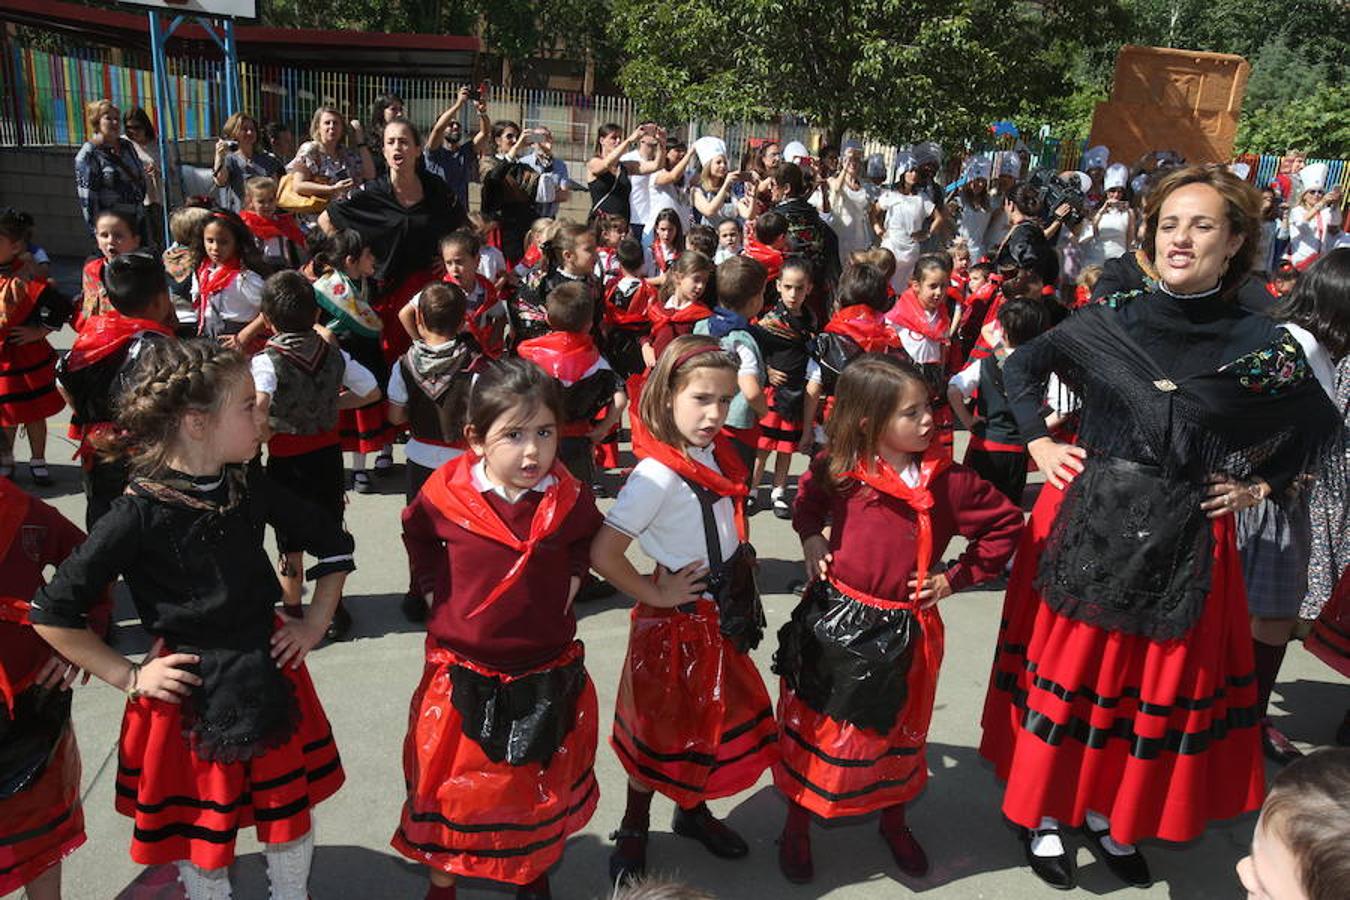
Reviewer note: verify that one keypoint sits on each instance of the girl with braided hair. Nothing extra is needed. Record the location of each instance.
(222, 727)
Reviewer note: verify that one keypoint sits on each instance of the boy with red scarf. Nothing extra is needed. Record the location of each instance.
(503, 728)
(91, 375)
(41, 820)
(590, 385)
(279, 235)
(858, 326)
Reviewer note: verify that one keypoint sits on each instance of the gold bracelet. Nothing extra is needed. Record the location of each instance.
(133, 693)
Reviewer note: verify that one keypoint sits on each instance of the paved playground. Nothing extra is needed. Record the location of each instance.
(366, 682)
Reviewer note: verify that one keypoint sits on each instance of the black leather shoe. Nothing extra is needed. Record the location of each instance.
(414, 608)
(698, 823)
(1056, 871)
(341, 624)
(1132, 869)
(628, 862)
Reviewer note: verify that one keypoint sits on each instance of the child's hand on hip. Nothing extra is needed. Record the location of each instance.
(818, 557)
(681, 587)
(294, 639)
(935, 588)
(164, 677)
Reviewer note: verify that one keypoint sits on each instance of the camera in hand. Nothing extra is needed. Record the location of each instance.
(232, 146)
(1056, 191)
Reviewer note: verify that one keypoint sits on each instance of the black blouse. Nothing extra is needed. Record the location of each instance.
(404, 239)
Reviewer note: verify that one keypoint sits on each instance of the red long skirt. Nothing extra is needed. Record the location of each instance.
(1160, 737)
(1329, 639)
(188, 809)
(837, 769)
(44, 824)
(693, 719)
(470, 816)
(28, 383)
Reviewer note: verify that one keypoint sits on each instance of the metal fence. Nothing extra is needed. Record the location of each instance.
(42, 98)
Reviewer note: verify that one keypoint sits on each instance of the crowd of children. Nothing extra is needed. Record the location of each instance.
(213, 389)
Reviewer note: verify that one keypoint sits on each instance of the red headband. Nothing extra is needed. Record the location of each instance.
(690, 354)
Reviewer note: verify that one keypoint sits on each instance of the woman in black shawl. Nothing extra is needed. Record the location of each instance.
(402, 216)
(1123, 698)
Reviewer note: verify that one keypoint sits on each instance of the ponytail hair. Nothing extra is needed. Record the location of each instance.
(333, 251)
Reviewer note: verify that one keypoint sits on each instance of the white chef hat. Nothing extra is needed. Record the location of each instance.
(1139, 184)
(1241, 170)
(1010, 164)
(1096, 157)
(978, 167)
(850, 144)
(1084, 180)
(876, 167)
(709, 148)
(904, 161)
(1117, 176)
(927, 152)
(1312, 177)
(794, 151)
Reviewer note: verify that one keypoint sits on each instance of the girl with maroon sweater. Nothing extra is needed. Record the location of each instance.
(502, 729)
(859, 658)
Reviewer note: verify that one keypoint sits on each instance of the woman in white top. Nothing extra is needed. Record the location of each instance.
(974, 209)
(714, 200)
(1113, 225)
(667, 189)
(1316, 219)
(324, 165)
(852, 206)
(906, 212)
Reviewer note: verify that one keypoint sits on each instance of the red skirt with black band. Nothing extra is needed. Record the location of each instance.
(1329, 639)
(778, 433)
(28, 383)
(693, 720)
(186, 808)
(834, 765)
(471, 816)
(44, 823)
(1158, 736)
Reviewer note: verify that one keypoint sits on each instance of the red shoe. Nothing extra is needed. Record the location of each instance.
(909, 856)
(794, 857)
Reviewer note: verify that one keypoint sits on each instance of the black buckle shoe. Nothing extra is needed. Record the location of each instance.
(625, 868)
(699, 823)
(1132, 869)
(341, 624)
(1057, 871)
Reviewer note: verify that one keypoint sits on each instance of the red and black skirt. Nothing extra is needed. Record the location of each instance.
(777, 432)
(492, 808)
(1159, 736)
(1329, 639)
(28, 383)
(859, 676)
(693, 719)
(186, 808)
(43, 823)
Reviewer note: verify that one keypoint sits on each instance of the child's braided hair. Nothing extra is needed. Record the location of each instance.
(171, 378)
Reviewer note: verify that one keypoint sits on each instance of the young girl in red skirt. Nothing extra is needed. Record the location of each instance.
(41, 820)
(30, 309)
(693, 719)
(222, 728)
(859, 658)
(503, 726)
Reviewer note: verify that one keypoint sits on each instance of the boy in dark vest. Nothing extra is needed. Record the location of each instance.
(93, 373)
(301, 382)
(429, 391)
(996, 450)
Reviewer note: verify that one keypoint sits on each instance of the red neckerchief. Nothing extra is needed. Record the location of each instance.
(451, 490)
(909, 314)
(663, 256)
(633, 316)
(18, 298)
(659, 315)
(960, 282)
(730, 482)
(565, 355)
(265, 229)
(1082, 296)
(212, 278)
(865, 326)
(768, 257)
(532, 254)
(476, 322)
(104, 335)
(887, 481)
(93, 299)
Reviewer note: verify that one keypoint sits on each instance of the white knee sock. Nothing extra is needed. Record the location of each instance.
(1047, 844)
(1098, 822)
(288, 867)
(205, 884)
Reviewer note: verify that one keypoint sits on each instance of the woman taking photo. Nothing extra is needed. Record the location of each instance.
(324, 165)
(240, 156)
(608, 173)
(509, 187)
(714, 198)
(1122, 698)
(108, 169)
(974, 210)
(852, 206)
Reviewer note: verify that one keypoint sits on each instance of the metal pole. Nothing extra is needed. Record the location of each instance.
(232, 98)
(165, 117)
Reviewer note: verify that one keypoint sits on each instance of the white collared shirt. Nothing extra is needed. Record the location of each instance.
(659, 509)
(482, 484)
